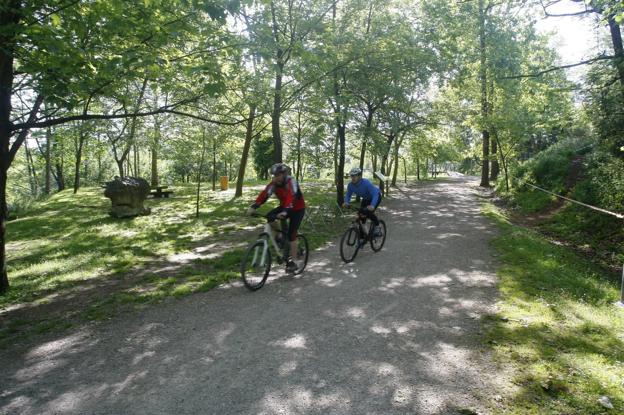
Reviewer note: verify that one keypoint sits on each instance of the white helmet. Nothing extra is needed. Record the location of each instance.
(356, 171)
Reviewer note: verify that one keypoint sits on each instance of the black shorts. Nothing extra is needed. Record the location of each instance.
(295, 216)
(366, 202)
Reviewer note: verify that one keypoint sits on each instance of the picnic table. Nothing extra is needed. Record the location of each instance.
(159, 192)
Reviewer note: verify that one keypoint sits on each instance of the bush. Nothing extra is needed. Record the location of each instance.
(550, 168)
(20, 206)
(606, 176)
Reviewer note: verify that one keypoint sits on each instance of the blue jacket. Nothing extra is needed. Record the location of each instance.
(364, 189)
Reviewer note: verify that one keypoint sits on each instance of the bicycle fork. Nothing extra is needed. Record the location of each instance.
(263, 255)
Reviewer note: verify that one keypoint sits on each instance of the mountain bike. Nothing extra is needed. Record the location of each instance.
(256, 263)
(358, 234)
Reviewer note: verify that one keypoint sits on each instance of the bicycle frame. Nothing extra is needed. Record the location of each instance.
(359, 222)
(268, 231)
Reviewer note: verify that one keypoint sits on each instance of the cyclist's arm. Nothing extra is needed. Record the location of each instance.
(347, 199)
(263, 196)
(289, 198)
(374, 191)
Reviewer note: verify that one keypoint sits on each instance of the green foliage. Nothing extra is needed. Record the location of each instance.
(605, 107)
(551, 167)
(605, 173)
(69, 244)
(597, 181)
(262, 155)
(557, 332)
(532, 201)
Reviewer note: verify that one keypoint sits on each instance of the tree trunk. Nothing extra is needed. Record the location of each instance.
(48, 164)
(384, 163)
(369, 123)
(618, 47)
(485, 167)
(99, 166)
(417, 169)
(32, 172)
(9, 21)
(503, 160)
(130, 139)
(341, 162)
(397, 147)
(336, 154)
(299, 132)
(405, 170)
(120, 166)
(396, 169)
(199, 173)
(485, 171)
(214, 164)
(245, 155)
(154, 153)
(137, 161)
(154, 178)
(79, 145)
(495, 167)
(60, 176)
(4, 278)
(277, 111)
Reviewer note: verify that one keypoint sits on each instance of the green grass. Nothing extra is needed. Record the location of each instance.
(588, 230)
(557, 330)
(532, 201)
(69, 244)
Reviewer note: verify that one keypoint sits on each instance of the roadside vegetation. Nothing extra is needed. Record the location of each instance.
(557, 333)
(583, 170)
(70, 261)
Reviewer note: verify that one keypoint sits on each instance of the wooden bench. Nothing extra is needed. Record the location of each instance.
(160, 193)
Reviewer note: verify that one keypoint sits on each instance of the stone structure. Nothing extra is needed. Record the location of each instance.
(127, 195)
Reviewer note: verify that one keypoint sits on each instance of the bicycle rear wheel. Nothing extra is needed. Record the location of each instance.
(349, 244)
(301, 258)
(256, 265)
(377, 242)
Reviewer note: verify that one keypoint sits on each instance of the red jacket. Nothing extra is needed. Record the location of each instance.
(289, 195)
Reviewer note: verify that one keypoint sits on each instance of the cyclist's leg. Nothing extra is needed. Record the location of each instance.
(363, 211)
(272, 219)
(296, 217)
(374, 217)
(369, 214)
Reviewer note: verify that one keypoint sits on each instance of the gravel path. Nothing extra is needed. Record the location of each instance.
(392, 333)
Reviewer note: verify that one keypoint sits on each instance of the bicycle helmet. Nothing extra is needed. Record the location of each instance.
(356, 171)
(278, 168)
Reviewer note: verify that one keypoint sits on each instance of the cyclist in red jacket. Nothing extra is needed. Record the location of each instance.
(292, 205)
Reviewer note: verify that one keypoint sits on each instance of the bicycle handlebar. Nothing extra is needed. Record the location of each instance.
(260, 215)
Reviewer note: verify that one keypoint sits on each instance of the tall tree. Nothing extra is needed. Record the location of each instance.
(66, 57)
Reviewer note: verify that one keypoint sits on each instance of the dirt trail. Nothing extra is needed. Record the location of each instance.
(392, 333)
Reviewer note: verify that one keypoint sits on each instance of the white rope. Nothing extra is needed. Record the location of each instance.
(617, 215)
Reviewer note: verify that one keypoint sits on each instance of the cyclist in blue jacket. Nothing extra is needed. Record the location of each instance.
(368, 193)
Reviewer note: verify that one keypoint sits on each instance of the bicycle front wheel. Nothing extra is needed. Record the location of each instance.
(349, 244)
(256, 265)
(301, 258)
(377, 242)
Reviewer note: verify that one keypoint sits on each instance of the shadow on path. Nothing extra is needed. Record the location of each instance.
(395, 332)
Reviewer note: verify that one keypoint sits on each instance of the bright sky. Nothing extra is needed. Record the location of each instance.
(576, 38)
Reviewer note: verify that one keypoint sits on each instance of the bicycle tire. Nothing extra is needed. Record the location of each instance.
(374, 240)
(303, 250)
(255, 281)
(349, 240)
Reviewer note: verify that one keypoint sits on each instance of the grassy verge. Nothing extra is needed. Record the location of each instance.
(69, 261)
(557, 330)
